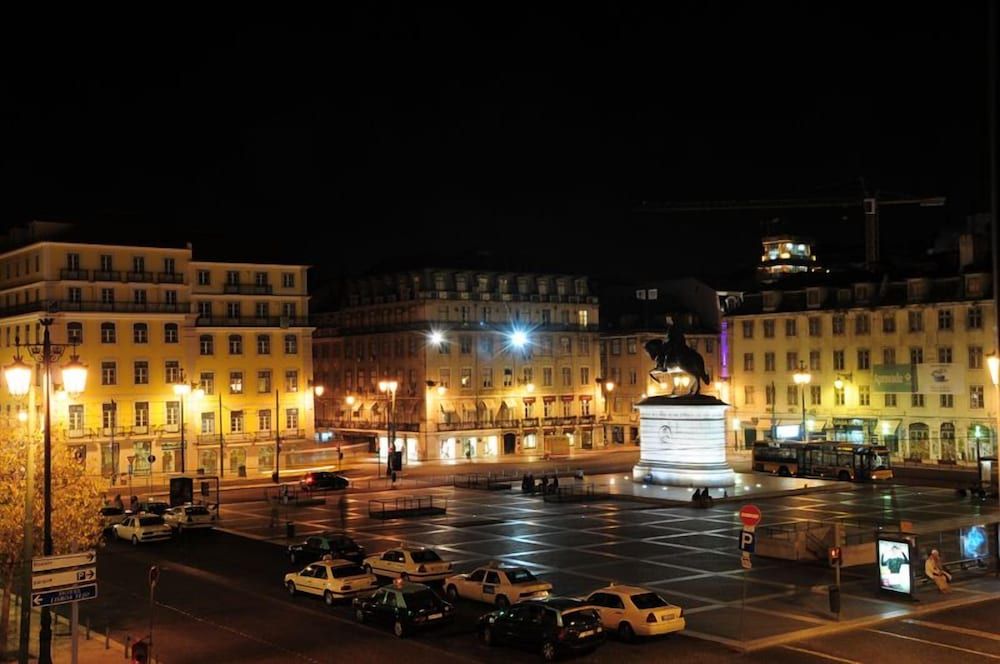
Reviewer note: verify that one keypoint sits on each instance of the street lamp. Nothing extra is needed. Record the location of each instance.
(841, 377)
(182, 389)
(388, 387)
(18, 375)
(993, 362)
(349, 400)
(802, 377)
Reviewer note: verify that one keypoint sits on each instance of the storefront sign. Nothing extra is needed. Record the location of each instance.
(893, 378)
(940, 379)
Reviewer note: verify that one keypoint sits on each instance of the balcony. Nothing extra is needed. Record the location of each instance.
(247, 289)
(107, 275)
(465, 426)
(249, 321)
(169, 278)
(509, 423)
(122, 307)
(529, 422)
(587, 419)
(74, 275)
(139, 276)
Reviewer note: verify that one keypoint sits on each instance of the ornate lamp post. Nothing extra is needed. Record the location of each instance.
(18, 375)
(182, 389)
(802, 377)
(388, 387)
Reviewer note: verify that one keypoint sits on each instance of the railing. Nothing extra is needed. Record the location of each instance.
(508, 423)
(139, 276)
(77, 275)
(529, 422)
(247, 321)
(107, 275)
(406, 506)
(464, 425)
(123, 307)
(170, 277)
(489, 481)
(247, 289)
(587, 419)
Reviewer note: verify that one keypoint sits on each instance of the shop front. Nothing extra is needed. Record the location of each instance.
(854, 429)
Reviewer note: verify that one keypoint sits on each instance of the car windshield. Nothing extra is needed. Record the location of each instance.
(197, 509)
(421, 599)
(347, 570)
(579, 618)
(648, 601)
(425, 556)
(520, 576)
(150, 520)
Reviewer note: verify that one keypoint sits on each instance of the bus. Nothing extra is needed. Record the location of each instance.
(843, 461)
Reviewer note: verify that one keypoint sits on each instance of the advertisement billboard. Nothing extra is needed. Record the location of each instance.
(894, 569)
(893, 378)
(940, 378)
(974, 543)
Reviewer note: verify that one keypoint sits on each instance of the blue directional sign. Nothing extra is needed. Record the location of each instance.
(747, 541)
(64, 595)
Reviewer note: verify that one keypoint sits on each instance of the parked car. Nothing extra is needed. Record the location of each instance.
(142, 528)
(550, 627)
(110, 515)
(409, 563)
(319, 481)
(496, 584)
(157, 507)
(632, 611)
(332, 544)
(332, 579)
(186, 517)
(405, 606)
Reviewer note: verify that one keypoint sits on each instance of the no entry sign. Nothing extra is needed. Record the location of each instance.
(750, 515)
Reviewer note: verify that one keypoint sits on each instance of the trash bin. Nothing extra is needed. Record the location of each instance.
(834, 599)
(242, 471)
(290, 532)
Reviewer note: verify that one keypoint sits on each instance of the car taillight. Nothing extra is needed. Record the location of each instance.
(309, 480)
(421, 569)
(651, 618)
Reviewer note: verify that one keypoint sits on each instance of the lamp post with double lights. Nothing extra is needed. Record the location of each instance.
(388, 387)
(18, 375)
(802, 377)
(182, 388)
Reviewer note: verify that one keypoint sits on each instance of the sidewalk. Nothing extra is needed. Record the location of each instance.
(97, 650)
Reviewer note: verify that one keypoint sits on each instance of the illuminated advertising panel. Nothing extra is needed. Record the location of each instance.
(974, 543)
(894, 569)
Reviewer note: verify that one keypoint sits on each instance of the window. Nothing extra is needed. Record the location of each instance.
(630, 345)
(792, 395)
(838, 360)
(890, 400)
(888, 323)
(235, 344)
(139, 296)
(170, 297)
(916, 356)
(633, 377)
(864, 395)
(74, 333)
(947, 400)
(292, 381)
(616, 346)
(236, 421)
(769, 328)
(207, 382)
(264, 420)
(168, 265)
(109, 412)
(108, 335)
(814, 360)
(292, 344)
(915, 321)
(791, 360)
(236, 382)
(769, 361)
(138, 264)
(838, 397)
(748, 395)
(109, 373)
(233, 310)
(232, 278)
(709, 346)
(546, 376)
(261, 310)
(292, 418)
(204, 278)
(140, 333)
(206, 344)
(141, 372)
(288, 309)
(464, 345)
(288, 279)
(76, 417)
(862, 324)
(945, 321)
(466, 380)
(790, 327)
(106, 265)
(205, 309)
(172, 371)
(944, 354)
(747, 361)
(260, 278)
(975, 357)
(748, 329)
(567, 377)
(263, 344)
(72, 262)
(888, 356)
(75, 294)
(208, 422)
(487, 375)
(815, 326)
(566, 346)
(917, 400)
(976, 396)
(864, 359)
(769, 394)
(142, 414)
(815, 395)
(170, 333)
(837, 321)
(974, 319)
(581, 318)
(584, 375)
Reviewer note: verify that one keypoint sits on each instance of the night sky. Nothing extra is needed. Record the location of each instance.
(521, 137)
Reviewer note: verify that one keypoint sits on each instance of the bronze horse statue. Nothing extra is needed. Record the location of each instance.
(675, 355)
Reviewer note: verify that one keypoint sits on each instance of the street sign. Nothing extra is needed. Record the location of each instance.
(46, 563)
(747, 541)
(64, 595)
(69, 577)
(745, 561)
(750, 515)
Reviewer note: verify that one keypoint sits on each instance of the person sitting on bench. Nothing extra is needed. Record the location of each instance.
(936, 572)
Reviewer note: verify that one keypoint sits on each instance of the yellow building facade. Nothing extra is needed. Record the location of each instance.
(465, 387)
(899, 362)
(146, 320)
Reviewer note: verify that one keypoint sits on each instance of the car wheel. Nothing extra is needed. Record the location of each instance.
(548, 651)
(359, 615)
(502, 601)
(398, 629)
(328, 598)
(488, 636)
(291, 588)
(625, 632)
(135, 541)
(452, 593)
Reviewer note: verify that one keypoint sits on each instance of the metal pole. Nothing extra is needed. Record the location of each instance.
(392, 427)
(45, 633)
(221, 439)
(836, 543)
(183, 441)
(802, 389)
(277, 438)
(74, 626)
(28, 552)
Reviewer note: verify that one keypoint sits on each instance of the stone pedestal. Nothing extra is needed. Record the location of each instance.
(683, 442)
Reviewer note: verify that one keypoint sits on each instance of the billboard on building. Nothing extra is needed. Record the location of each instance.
(894, 378)
(940, 378)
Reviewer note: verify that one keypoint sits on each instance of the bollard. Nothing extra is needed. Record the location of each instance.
(128, 642)
(107, 638)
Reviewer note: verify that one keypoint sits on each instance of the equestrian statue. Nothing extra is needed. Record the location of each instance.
(674, 356)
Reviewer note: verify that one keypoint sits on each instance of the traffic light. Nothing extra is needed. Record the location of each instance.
(140, 652)
(835, 556)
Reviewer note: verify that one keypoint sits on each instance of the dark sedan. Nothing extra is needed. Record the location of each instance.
(405, 607)
(323, 481)
(333, 545)
(550, 627)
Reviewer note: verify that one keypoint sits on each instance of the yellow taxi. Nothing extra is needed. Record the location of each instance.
(634, 611)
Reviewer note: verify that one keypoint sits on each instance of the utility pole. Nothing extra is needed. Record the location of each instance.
(277, 439)
(221, 440)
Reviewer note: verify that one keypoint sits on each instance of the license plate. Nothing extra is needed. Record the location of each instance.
(584, 635)
(435, 616)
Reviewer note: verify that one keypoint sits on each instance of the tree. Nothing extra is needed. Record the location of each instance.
(76, 503)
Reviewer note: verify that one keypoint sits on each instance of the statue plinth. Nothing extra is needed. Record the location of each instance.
(683, 442)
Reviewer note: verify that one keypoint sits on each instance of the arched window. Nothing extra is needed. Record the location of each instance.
(206, 344)
(948, 451)
(919, 438)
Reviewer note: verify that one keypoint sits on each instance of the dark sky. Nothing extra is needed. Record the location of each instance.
(530, 133)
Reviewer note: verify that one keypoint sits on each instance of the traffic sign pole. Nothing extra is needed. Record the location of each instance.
(750, 515)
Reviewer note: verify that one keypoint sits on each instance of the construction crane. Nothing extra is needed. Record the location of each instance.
(870, 205)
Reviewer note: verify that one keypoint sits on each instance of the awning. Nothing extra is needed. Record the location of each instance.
(548, 399)
(528, 399)
(888, 427)
(566, 397)
(549, 432)
(586, 397)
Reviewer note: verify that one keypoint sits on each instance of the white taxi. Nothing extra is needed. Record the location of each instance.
(189, 517)
(408, 563)
(497, 584)
(142, 528)
(331, 579)
(634, 611)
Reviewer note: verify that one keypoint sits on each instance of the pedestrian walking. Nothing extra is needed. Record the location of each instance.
(545, 484)
(118, 502)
